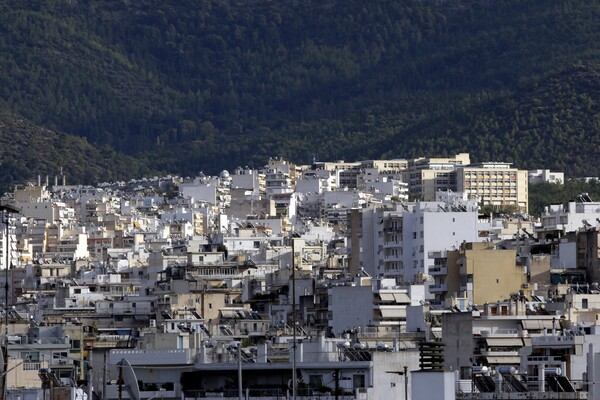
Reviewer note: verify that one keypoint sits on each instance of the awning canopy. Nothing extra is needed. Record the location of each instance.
(393, 313)
(503, 360)
(395, 297)
(401, 298)
(504, 342)
(386, 297)
(537, 324)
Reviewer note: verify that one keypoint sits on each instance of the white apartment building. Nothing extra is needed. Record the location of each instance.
(557, 220)
(545, 175)
(375, 303)
(398, 241)
(249, 179)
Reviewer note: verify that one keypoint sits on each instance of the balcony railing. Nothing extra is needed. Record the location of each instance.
(442, 287)
(438, 270)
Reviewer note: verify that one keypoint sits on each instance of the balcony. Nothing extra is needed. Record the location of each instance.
(436, 254)
(500, 333)
(556, 341)
(503, 353)
(438, 288)
(438, 270)
(392, 258)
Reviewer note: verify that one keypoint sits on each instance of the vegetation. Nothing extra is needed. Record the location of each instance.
(112, 89)
(544, 194)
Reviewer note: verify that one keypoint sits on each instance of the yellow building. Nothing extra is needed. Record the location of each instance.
(479, 273)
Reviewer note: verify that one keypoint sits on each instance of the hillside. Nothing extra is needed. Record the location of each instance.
(28, 150)
(184, 86)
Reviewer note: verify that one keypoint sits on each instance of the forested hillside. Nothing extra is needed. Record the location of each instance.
(189, 85)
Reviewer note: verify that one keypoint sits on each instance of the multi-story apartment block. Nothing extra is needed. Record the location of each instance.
(397, 241)
(249, 179)
(495, 184)
(557, 220)
(427, 176)
(476, 273)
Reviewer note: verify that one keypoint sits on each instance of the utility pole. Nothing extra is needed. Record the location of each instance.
(405, 373)
(294, 381)
(104, 372)
(239, 357)
(405, 382)
(120, 381)
(6, 209)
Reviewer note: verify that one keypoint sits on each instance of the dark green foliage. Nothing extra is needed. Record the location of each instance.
(544, 194)
(198, 85)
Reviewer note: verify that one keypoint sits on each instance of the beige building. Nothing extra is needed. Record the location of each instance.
(496, 184)
(477, 273)
(426, 176)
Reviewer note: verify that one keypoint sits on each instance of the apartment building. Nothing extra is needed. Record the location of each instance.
(492, 183)
(426, 176)
(476, 273)
(547, 176)
(495, 184)
(398, 241)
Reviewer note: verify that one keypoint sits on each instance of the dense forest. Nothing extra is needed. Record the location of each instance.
(112, 89)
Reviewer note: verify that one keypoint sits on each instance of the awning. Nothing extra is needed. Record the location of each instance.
(504, 360)
(229, 313)
(386, 297)
(436, 334)
(393, 313)
(537, 324)
(503, 342)
(401, 298)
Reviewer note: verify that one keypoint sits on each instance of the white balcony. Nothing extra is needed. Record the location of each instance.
(392, 258)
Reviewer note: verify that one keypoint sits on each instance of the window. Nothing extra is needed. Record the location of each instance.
(358, 381)
(584, 303)
(315, 381)
(30, 356)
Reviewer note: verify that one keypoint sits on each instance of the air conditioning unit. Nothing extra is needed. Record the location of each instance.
(152, 323)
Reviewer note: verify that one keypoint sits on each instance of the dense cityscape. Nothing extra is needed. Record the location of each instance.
(407, 278)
